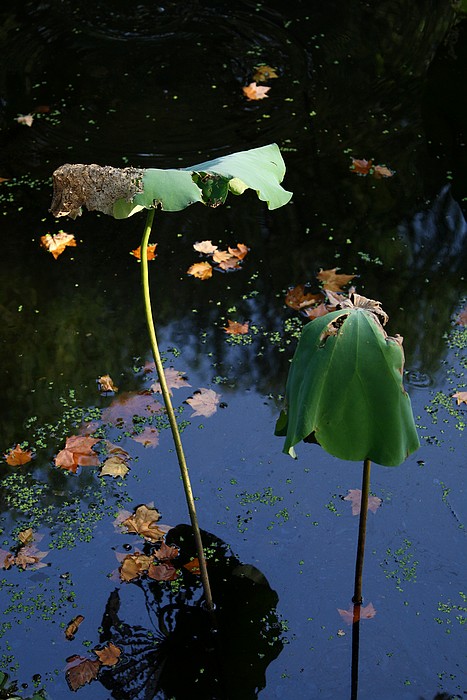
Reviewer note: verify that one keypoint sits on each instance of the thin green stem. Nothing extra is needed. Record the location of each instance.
(170, 411)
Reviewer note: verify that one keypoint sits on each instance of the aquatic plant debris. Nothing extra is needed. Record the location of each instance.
(56, 243)
(204, 402)
(17, 456)
(255, 92)
(151, 252)
(77, 452)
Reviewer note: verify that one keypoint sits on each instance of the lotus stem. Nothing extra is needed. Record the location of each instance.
(170, 412)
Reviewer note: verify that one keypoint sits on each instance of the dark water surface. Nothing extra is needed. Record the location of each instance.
(160, 85)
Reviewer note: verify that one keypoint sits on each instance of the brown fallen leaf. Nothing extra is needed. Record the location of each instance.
(205, 247)
(133, 565)
(235, 328)
(72, 627)
(162, 572)
(461, 320)
(201, 270)
(57, 243)
(17, 456)
(193, 566)
(264, 73)
(230, 265)
(30, 557)
(106, 385)
(77, 452)
(143, 522)
(26, 536)
(151, 252)
(81, 670)
(355, 497)
(220, 256)
(114, 466)
(380, 171)
(460, 396)
(333, 280)
(166, 552)
(361, 166)
(255, 92)
(312, 312)
(239, 252)
(7, 559)
(204, 402)
(108, 655)
(356, 612)
(174, 379)
(296, 298)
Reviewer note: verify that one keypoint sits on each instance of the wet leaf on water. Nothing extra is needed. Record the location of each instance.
(366, 167)
(26, 536)
(380, 171)
(239, 252)
(174, 379)
(78, 452)
(204, 402)
(460, 396)
(143, 522)
(333, 280)
(255, 92)
(220, 256)
(366, 613)
(235, 328)
(355, 497)
(297, 298)
(166, 552)
(57, 243)
(264, 73)
(151, 252)
(81, 670)
(108, 655)
(205, 247)
(72, 627)
(149, 437)
(133, 565)
(201, 270)
(106, 385)
(115, 466)
(30, 557)
(7, 559)
(162, 571)
(232, 263)
(17, 456)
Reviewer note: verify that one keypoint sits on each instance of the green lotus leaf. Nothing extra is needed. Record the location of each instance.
(345, 391)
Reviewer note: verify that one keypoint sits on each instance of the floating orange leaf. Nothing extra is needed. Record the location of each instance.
(151, 252)
(77, 452)
(57, 243)
(193, 566)
(166, 552)
(361, 166)
(26, 119)
(143, 522)
(133, 565)
(106, 385)
(17, 456)
(236, 328)
(230, 264)
(298, 299)
(263, 73)
(332, 280)
(201, 270)
(255, 92)
(380, 171)
(26, 536)
(108, 655)
(239, 252)
(220, 256)
(72, 627)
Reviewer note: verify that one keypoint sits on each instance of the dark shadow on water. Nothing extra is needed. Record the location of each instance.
(184, 652)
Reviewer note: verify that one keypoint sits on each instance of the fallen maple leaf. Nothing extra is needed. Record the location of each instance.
(143, 522)
(57, 243)
(77, 452)
(26, 119)
(133, 565)
(239, 252)
(255, 92)
(162, 572)
(17, 456)
(263, 73)
(108, 655)
(201, 270)
(357, 612)
(30, 556)
(151, 252)
(332, 280)
(174, 379)
(166, 552)
(106, 385)
(220, 256)
(81, 670)
(7, 559)
(115, 466)
(235, 328)
(296, 298)
(205, 247)
(204, 402)
(72, 627)
(361, 166)
(380, 171)
(193, 566)
(460, 396)
(231, 264)
(26, 536)
(312, 312)
(355, 497)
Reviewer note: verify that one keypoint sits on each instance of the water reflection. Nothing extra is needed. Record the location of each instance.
(183, 652)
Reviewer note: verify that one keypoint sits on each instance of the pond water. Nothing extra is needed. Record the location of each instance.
(160, 85)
